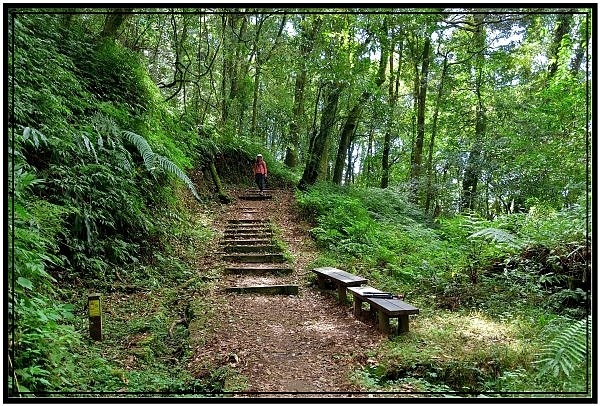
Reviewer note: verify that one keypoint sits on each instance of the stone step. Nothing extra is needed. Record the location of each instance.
(259, 269)
(244, 249)
(265, 289)
(254, 258)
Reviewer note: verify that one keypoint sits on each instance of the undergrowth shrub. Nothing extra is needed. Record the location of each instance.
(41, 340)
(47, 92)
(381, 230)
(234, 158)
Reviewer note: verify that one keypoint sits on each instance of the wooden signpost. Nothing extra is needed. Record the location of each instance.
(95, 315)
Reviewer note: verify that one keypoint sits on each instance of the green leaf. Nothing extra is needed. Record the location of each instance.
(26, 283)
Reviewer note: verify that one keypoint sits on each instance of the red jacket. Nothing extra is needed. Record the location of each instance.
(260, 167)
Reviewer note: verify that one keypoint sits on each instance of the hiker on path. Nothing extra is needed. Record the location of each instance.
(260, 173)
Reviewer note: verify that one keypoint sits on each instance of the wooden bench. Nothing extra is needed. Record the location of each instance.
(341, 279)
(385, 305)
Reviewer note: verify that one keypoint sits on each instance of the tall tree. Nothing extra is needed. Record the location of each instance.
(393, 88)
(474, 160)
(318, 140)
(309, 28)
(420, 98)
(563, 25)
(440, 91)
(351, 122)
(114, 20)
(234, 26)
(261, 57)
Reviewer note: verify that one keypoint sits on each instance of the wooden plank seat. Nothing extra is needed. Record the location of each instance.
(384, 305)
(327, 276)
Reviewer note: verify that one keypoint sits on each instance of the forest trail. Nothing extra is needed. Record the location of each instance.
(284, 344)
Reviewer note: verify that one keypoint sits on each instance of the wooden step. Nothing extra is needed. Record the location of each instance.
(247, 227)
(265, 289)
(249, 234)
(247, 241)
(248, 230)
(244, 249)
(255, 197)
(254, 258)
(259, 269)
(258, 233)
(248, 221)
(256, 191)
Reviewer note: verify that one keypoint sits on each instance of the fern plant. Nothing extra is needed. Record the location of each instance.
(498, 236)
(566, 351)
(153, 160)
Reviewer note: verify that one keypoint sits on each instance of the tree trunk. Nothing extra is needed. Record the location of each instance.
(471, 176)
(369, 166)
(233, 43)
(306, 47)
(114, 21)
(473, 166)
(385, 159)
(352, 120)
(324, 171)
(416, 161)
(440, 92)
(347, 131)
(217, 181)
(393, 86)
(255, 98)
(563, 26)
(350, 168)
(318, 141)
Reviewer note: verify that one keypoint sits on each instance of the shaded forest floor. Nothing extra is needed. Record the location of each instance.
(278, 344)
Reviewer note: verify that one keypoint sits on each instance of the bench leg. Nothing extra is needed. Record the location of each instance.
(342, 293)
(321, 282)
(384, 322)
(403, 324)
(357, 308)
(371, 314)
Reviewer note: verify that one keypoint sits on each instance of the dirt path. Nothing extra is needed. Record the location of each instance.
(307, 343)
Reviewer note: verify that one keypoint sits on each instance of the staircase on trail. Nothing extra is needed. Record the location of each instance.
(249, 249)
(256, 195)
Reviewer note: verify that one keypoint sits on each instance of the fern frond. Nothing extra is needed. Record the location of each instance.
(169, 166)
(123, 158)
(89, 146)
(143, 148)
(34, 136)
(567, 350)
(497, 236)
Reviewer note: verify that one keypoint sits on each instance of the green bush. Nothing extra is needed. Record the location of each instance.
(42, 341)
(379, 228)
(85, 193)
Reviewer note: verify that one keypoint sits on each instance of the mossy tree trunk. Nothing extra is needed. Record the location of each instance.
(114, 21)
(318, 141)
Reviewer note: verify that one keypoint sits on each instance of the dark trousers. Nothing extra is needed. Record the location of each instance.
(260, 181)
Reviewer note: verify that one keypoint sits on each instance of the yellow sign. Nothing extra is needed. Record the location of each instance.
(94, 306)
